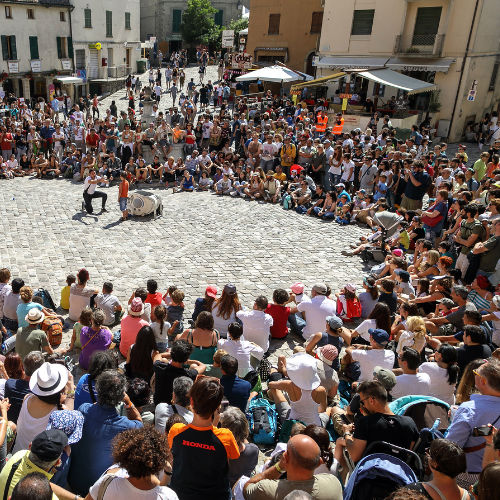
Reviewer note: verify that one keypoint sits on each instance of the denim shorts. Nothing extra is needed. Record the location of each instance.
(123, 204)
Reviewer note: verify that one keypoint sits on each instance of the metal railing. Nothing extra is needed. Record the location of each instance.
(420, 44)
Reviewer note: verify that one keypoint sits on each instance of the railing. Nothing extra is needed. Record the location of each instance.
(420, 44)
(119, 71)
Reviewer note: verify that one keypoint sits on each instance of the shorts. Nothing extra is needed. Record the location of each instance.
(123, 204)
(283, 408)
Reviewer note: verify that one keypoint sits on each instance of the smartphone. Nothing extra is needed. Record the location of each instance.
(483, 430)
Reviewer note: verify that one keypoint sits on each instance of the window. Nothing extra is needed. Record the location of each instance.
(87, 16)
(362, 22)
(34, 47)
(30, 13)
(316, 22)
(80, 59)
(274, 24)
(426, 25)
(378, 90)
(64, 47)
(176, 20)
(218, 18)
(8, 12)
(62, 16)
(494, 74)
(127, 21)
(109, 23)
(9, 50)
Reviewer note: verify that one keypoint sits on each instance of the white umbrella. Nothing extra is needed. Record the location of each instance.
(273, 74)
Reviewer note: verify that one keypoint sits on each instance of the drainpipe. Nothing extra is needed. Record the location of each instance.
(464, 60)
(70, 10)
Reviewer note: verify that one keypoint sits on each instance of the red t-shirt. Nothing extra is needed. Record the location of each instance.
(280, 317)
(92, 140)
(155, 299)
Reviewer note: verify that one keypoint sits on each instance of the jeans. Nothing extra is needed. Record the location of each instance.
(334, 179)
(267, 164)
(297, 323)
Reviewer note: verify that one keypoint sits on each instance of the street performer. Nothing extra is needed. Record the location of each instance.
(89, 191)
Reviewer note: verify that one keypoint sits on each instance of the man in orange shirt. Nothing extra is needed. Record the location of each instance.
(123, 194)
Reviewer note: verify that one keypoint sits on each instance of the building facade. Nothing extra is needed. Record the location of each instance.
(452, 43)
(163, 18)
(106, 38)
(36, 46)
(285, 30)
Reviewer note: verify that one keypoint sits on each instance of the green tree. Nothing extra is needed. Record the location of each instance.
(198, 24)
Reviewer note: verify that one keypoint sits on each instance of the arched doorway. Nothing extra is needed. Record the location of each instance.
(309, 69)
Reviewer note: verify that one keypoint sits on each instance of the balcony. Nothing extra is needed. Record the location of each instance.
(419, 45)
(118, 71)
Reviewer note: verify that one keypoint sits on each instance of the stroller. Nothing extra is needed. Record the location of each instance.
(424, 410)
(376, 476)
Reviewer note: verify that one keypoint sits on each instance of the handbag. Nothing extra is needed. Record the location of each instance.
(432, 221)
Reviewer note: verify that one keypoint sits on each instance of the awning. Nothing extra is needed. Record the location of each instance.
(243, 32)
(274, 74)
(398, 80)
(70, 79)
(417, 64)
(319, 81)
(349, 62)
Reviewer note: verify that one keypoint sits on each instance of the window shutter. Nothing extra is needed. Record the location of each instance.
(316, 22)
(176, 20)
(5, 48)
(34, 47)
(13, 50)
(88, 17)
(362, 22)
(70, 47)
(426, 25)
(109, 23)
(127, 20)
(274, 24)
(218, 18)
(59, 47)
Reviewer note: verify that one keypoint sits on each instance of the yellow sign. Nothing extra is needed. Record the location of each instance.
(344, 104)
(96, 46)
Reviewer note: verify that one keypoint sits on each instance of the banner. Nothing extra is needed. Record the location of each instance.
(227, 39)
(242, 60)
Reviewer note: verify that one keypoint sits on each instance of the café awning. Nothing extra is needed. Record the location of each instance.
(70, 79)
(417, 64)
(344, 62)
(273, 74)
(319, 81)
(398, 80)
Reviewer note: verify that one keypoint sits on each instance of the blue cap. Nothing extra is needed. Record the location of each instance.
(380, 336)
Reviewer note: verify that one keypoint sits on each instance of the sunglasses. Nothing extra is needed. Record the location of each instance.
(362, 401)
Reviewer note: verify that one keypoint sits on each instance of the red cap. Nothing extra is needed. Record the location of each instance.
(211, 291)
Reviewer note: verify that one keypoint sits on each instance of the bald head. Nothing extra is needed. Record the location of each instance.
(304, 452)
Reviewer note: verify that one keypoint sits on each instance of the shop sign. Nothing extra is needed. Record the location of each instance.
(66, 63)
(345, 96)
(36, 65)
(472, 92)
(227, 39)
(13, 66)
(96, 46)
(242, 60)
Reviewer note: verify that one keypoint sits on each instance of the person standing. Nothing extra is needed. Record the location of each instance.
(89, 192)
(123, 194)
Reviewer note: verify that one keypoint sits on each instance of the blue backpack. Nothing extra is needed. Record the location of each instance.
(48, 303)
(263, 421)
(287, 202)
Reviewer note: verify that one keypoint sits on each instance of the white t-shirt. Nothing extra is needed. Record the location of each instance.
(164, 411)
(408, 384)
(120, 488)
(268, 151)
(160, 335)
(107, 303)
(79, 299)
(241, 350)
(408, 339)
(335, 167)
(317, 310)
(91, 187)
(256, 327)
(440, 388)
(363, 328)
(369, 359)
(348, 171)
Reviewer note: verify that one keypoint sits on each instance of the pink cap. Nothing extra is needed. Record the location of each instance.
(397, 252)
(211, 291)
(298, 288)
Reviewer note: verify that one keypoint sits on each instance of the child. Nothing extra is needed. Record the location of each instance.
(84, 320)
(348, 305)
(175, 312)
(345, 215)
(387, 295)
(161, 328)
(205, 182)
(403, 283)
(224, 185)
(187, 183)
(381, 188)
(167, 298)
(154, 298)
(123, 194)
(70, 279)
(279, 312)
(214, 370)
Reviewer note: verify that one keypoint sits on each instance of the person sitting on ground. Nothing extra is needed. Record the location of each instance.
(80, 294)
(131, 324)
(409, 380)
(256, 323)
(202, 337)
(299, 461)
(204, 303)
(180, 404)
(474, 347)
(65, 291)
(193, 476)
(413, 335)
(22, 310)
(141, 455)
(85, 319)
(279, 312)
(32, 337)
(140, 355)
(108, 303)
(224, 309)
(33, 485)
(236, 390)
(175, 312)
(94, 338)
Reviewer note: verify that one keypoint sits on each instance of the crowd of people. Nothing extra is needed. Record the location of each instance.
(163, 402)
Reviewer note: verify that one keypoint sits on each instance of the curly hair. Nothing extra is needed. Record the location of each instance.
(26, 294)
(141, 452)
(110, 386)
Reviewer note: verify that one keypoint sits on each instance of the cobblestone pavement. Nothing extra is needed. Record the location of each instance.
(201, 239)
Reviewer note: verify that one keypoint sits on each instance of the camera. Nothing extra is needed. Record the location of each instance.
(483, 430)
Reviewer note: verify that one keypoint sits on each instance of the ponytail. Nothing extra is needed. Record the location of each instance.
(452, 371)
(369, 281)
(449, 357)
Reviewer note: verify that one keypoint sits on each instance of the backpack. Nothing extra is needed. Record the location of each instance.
(286, 430)
(263, 421)
(48, 303)
(353, 307)
(53, 327)
(287, 202)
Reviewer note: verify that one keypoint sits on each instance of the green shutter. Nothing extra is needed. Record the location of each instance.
(176, 20)
(13, 50)
(70, 47)
(362, 22)
(218, 18)
(426, 25)
(59, 47)
(34, 47)
(88, 18)
(109, 23)
(5, 48)
(127, 20)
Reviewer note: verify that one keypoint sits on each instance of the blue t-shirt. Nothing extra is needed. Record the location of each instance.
(82, 394)
(236, 390)
(91, 456)
(23, 309)
(417, 192)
